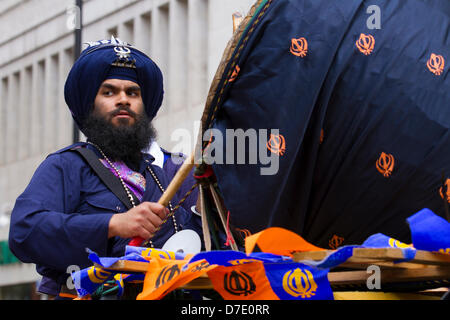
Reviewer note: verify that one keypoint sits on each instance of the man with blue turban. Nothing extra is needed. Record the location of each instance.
(113, 92)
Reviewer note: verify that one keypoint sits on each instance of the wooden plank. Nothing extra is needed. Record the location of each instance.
(422, 257)
(126, 266)
(363, 264)
(383, 256)
(200, 283)
(390, 276)
(311, 255)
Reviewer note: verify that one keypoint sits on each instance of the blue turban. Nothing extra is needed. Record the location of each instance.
(108, 59)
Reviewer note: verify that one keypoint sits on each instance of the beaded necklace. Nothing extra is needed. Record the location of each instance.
(127, 190)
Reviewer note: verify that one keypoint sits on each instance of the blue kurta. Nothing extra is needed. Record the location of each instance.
(66, 208)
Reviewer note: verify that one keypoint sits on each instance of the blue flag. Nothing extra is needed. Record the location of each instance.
(297, 281)
(430, 232)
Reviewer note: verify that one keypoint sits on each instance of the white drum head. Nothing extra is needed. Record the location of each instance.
(185, 241)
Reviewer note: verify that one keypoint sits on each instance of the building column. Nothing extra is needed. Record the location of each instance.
(64, 116)
(53, 88)
(197, 89)
(48, 107)
(23, 112)
(12, 105)
(4, 93)
(126, 32)
(159, 41)
(178, 43)
(34, 124)
(142, 33)
(39, 119)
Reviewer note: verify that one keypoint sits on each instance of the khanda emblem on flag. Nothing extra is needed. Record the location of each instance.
(436, 64)
(277, 144)
(167, 273)
(393, 243)
(241, 261)
(385, 164)
(151, 252)
(239, 283)
(299, 47)
(98, 275)
(365, 44)
(203, 265)
(299, 283)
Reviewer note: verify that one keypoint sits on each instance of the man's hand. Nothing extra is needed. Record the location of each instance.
(141, 221)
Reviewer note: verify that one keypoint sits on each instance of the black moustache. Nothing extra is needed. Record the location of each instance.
(116, 112)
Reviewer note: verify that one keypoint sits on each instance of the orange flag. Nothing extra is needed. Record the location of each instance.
(165, 275)
(278, 241)
(242, 282)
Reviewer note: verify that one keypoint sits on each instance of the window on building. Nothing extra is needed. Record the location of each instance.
(54, 110)
(127, 33)
(143, 38)
(40, 105)
(27, 90)
(3, 119)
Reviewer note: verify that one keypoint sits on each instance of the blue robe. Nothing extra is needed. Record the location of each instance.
(66, 208)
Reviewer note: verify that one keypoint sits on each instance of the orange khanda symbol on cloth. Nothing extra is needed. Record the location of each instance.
(385, 164)
(235, 73)
(366, 44)
(335, 242)
(322, 136)
(436, 64)
(167, 274)
(245, 232)
(299, 47)
(277, 144)
(445, 189)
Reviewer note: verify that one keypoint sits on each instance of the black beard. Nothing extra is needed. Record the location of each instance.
(122, 142)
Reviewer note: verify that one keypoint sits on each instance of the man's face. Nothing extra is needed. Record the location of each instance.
(119, 102)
